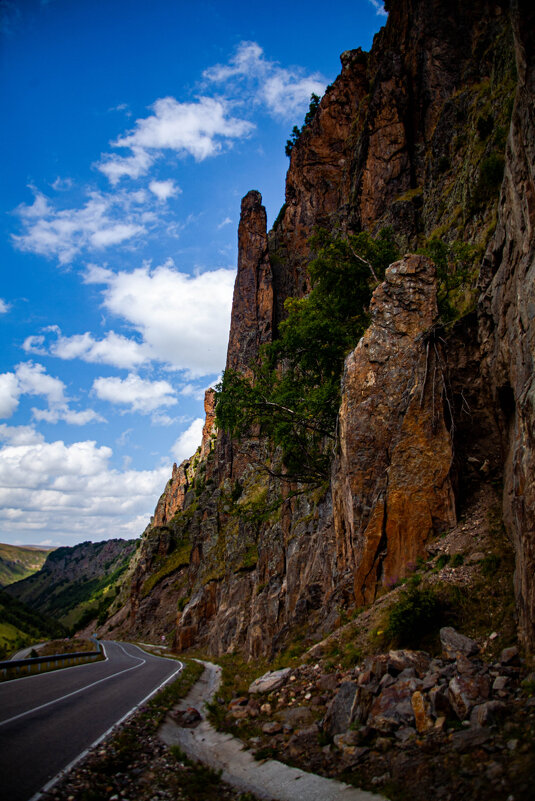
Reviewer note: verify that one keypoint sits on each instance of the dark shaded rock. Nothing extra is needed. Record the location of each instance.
(393, 707)
(488, 713)
(510, 656)
(341, 710)
(454, 643)
(466, 692)
(440, 702)
(470, 738)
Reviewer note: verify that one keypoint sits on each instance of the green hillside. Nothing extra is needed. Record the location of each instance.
(77, 584)
(21, 626)
(17, 562)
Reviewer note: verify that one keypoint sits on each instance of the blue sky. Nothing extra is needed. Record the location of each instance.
(133, 131)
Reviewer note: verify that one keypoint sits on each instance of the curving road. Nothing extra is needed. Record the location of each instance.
(47, 721)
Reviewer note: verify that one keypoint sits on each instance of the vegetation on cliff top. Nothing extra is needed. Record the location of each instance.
(296, 131)
(294, 394)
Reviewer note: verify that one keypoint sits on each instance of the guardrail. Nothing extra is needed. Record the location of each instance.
(16, 668)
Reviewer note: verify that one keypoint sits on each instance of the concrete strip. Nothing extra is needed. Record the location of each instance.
(270, 780)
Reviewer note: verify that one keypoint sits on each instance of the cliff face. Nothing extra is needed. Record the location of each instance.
(411, 135)
(507, 322)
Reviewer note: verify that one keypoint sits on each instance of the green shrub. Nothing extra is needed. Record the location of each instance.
(297, 407)
(490, 564)
(417, 614)
(457, 560)
(296, 131)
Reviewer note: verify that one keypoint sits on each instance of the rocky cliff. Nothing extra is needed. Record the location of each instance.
(437, 398)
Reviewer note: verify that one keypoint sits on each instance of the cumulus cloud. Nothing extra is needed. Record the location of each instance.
(104, 220)
(164, 189)
(139, 394)
(184, 320)
(9, 394)
(4, 307)
(113, 349)
(201, 128)
(70, 491)
(32, 379)
(188, 442)
(282, 91)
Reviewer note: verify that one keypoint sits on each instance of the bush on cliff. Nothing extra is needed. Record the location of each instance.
(294, 395)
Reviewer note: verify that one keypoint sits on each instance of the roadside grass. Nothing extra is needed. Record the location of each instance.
(134, 762)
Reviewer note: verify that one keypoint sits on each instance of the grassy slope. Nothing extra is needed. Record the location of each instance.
(70, 595)
(21, 626)
(17, 562)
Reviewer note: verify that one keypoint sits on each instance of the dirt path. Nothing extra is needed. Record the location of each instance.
(268, 779)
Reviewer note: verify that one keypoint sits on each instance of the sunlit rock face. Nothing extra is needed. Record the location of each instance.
(391, 484)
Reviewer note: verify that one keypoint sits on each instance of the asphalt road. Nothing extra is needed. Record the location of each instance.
(47, 721)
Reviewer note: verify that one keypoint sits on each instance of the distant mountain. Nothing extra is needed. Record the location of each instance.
(76, 585)
(17, 562)
(21, 626)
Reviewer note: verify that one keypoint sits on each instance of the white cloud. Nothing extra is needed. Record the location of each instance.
(226, 221)
(104, 220)
(69, 492)
(137, 393)
(62, 184)
(113, 349)
(9, 394)
(200, 129)
(248, 75)
(188, 441)
(164, 189)
(183, 320)
(32, 379)
(379, 8)
(115, 167)
(4, 307)
(62, 412)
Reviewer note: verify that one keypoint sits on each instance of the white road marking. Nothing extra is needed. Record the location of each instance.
(48, 786)
(81, 689)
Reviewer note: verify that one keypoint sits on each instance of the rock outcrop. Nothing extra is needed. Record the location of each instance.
(252, 305)
(391, 484)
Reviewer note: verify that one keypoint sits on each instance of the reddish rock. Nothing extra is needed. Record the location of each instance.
(252, 305)
(467, 691)
(391, 483)
(393, 707)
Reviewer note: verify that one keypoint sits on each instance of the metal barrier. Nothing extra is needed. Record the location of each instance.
(16, 668)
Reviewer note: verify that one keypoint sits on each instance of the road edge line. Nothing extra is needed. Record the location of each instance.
(63, 772)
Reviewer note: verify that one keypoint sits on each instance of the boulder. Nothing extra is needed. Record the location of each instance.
(421, 708)
(454, 643)
(488, 713)
(465, 692)
(270, 681)
(392, 707)
(340, 712)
